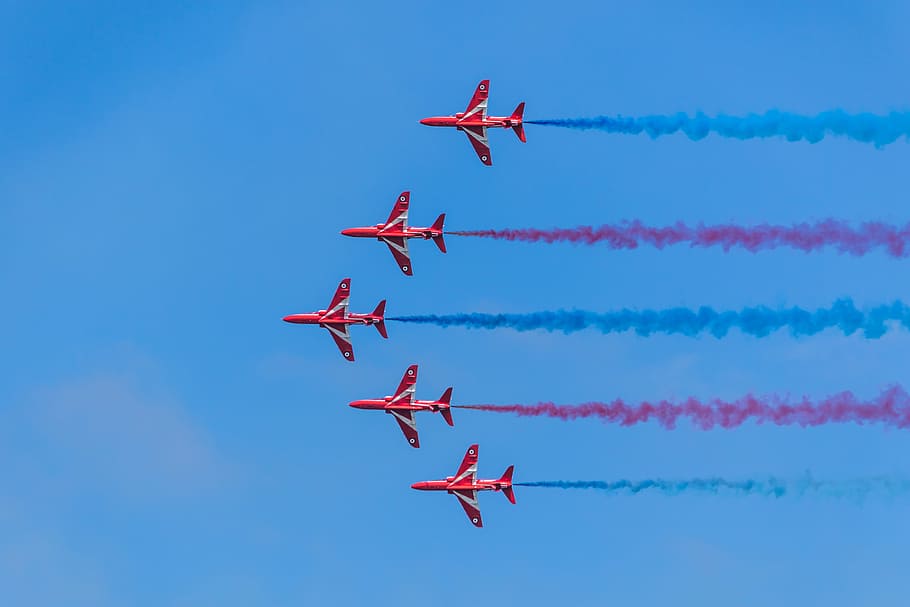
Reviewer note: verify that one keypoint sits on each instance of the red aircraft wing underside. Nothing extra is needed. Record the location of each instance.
(399, 248)
(468, 501)
(467, 471)
(477, 107)
(339, 306)
(342, 339)
(398, 219)
(408, 425)
(405, 392)
(477, 135)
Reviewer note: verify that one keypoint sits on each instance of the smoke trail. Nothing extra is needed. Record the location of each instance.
(890, 408)
(758, 321)
(879, 130)
(770, 487)
(895, 240)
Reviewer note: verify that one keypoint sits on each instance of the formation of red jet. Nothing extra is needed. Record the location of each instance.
(474, 122)
(464, 485)
(402, 405)
(396, 233)
(337, 319)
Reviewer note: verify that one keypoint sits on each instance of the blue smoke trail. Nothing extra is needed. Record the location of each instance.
(879, 130)
(758, 321)
(770, 487)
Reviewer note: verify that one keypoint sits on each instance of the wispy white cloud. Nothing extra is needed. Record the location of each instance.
(107, 432)
(108, 444)
(38, 569)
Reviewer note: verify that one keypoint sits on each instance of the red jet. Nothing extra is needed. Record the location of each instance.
(395, 233)
(403, 405)
(464, 485)
(474, 122)
(336, 319)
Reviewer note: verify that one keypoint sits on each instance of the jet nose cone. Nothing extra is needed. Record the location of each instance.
(417, 486)
(347, 232)
(425, 121)
(288, 318)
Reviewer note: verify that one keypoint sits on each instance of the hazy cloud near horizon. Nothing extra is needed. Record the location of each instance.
(133, 442)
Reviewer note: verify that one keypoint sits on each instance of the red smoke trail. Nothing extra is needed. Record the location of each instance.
(858, 240)
(890, 408)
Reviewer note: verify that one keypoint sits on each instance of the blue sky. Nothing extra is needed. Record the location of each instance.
(172, 183)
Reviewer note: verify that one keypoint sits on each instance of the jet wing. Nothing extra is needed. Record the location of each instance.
(408, 425)
(477, 107)
(343, 339)
(398, 219)
(339, 306)
(468, 468)
(399, 248)
(477, 135)
(468, 501)
(405, 392)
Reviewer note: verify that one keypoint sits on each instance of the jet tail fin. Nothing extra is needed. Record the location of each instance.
(509, 493)
(517, 124)
(445, 410)
(438, 225)
(380, 312)
(506, 479)
(447, 415)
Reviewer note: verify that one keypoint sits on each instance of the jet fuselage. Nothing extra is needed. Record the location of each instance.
(378, 232)
(457, 121)
(318, 318)
(449, 486)
(384, 404)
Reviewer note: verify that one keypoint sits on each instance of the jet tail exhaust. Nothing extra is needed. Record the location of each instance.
(380, 312)
(517, 122)
(506, 480)
(446, 411)
(438, 225)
